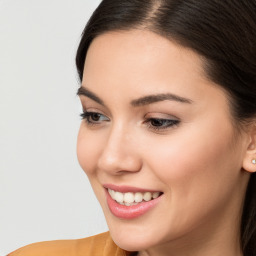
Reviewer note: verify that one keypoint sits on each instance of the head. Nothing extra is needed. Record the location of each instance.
(171, 96)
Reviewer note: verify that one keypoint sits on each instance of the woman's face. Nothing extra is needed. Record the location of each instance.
(155, 123)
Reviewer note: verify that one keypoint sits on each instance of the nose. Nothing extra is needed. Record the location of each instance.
(120, 154)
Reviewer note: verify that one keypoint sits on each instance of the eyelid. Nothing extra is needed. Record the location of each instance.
(160, 122)
(156, 115)
(94, 110)
(165, 124)
(88, 104)
(87, 115)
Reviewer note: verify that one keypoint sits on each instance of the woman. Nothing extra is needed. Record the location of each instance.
(168, 137)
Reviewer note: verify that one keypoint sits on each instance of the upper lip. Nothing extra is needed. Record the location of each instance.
(125, 189)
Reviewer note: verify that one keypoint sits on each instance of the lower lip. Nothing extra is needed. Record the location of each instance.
(130, 212)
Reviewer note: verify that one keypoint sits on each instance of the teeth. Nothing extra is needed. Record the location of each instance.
(131, 198)
(119, 197)
(147, 196)
(155, 194)
(112, 193)
(138, 197)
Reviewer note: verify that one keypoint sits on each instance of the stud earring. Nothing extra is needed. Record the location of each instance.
(253, 161)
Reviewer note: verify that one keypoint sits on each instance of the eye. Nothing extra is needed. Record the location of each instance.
(161, 124)
(93, 118)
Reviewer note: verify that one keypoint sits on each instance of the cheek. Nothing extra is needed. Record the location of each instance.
(196, 171)
(88, 150)
(195, 163)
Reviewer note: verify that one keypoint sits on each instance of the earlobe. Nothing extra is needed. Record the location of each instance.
(249, 162)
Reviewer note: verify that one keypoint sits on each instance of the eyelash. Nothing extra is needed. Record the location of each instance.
(170, 123)
(87, 116)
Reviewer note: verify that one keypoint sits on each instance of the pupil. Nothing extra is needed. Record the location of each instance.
(157, 122)
(95, 117)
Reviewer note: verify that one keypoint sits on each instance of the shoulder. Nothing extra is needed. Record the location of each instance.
(101, 244)
(61, 247)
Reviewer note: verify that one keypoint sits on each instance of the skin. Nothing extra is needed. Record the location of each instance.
(196, 163)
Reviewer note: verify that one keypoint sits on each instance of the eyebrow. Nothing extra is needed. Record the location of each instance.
(146, 100)
(159, 97)
(85, 92)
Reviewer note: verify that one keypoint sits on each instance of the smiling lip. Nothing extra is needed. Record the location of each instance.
(125, 189)
(129, 212)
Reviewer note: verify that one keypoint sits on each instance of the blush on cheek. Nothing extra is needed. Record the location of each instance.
(181, 160)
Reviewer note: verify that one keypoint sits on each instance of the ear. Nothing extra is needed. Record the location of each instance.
(249, 161)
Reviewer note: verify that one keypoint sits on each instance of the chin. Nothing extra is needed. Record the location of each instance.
(131, 242)
(132, 236)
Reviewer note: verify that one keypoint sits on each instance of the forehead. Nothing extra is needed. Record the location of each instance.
(137, 62)
(137, 51)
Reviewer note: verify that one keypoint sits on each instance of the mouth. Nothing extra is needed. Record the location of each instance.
(133, 198)
(129, 202)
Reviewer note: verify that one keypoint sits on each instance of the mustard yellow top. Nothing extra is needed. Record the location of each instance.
(99, 245)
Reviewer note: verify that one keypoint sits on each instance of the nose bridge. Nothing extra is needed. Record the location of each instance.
(119, 153)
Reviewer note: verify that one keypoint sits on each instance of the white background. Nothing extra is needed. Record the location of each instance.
(44, 194)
